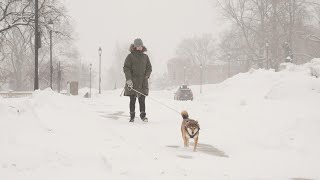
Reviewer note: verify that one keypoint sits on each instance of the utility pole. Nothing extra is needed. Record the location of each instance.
(100, 52)
(51, 59)
(267, 49)
(184, 75)
(229, 65)
(201, 78)
(36, 44)
(51, 68)
(59, 77)
(90, 80)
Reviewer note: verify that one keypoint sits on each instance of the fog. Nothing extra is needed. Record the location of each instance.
(189, 41)
(160, 23)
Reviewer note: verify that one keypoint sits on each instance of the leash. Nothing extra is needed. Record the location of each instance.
(122, 92)
(131, 88)
(18, 110)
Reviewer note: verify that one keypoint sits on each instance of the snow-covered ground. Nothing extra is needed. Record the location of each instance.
(256, 125)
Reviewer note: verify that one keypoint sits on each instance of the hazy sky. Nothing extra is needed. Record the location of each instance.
(160, 23)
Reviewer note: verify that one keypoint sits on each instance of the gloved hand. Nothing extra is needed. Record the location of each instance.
(129, 83)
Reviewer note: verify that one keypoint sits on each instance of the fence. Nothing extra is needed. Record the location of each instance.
(15, 94)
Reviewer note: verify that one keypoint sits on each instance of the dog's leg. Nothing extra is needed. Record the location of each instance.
(187, 142)
(195, 144)
(182, 135)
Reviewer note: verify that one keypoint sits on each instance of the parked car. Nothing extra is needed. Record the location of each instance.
(183, 94)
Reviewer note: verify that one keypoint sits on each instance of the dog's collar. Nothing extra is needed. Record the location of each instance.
(192, 136)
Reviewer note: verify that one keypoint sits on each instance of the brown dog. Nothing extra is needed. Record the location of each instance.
(189, 129)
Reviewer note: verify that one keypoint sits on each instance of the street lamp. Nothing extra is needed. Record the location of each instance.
(267, 49)
(90, 78)
(51, 68)
(59, 77)
(184, 75)
(200, 78)
(100, 52)
(229, 64)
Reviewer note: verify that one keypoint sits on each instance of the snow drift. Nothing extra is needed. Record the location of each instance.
(256, 125)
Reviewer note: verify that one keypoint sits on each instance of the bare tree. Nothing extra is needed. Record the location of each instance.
(265, 26)
(198, 50)
(115, 72)
(17, 42)
(14, 13)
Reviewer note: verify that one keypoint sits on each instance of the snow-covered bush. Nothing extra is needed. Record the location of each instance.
(315, 67)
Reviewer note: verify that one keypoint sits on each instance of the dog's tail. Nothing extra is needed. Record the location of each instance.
(185, 115)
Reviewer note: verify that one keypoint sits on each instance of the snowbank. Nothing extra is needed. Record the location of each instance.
(256, 125)
(264, 118)
(315, 67)
(46, 136)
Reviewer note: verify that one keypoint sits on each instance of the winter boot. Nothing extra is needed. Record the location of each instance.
(132, 115)
(143, 117)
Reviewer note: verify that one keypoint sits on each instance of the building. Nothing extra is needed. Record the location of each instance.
(180, 71)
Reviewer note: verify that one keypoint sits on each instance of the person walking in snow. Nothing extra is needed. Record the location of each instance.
(137, 69)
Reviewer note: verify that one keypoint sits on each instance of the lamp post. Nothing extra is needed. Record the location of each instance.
(100, 52)
(90, 78)
(229, 65)
(50, 32)
(59, 77)
(184, 75)
(267, 49)
(201, 78)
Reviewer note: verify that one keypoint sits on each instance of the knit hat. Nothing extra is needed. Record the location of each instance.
(137, 42)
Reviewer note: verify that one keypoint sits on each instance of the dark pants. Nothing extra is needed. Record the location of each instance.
(142, 104)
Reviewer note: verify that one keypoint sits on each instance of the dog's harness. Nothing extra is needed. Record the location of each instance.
(192, 136)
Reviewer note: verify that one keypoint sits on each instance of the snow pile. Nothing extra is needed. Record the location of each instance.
(315, 67)
(256, 125)
(48, 136)
(265, 117)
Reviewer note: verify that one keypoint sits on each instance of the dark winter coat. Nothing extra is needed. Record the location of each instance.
(137, 67)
